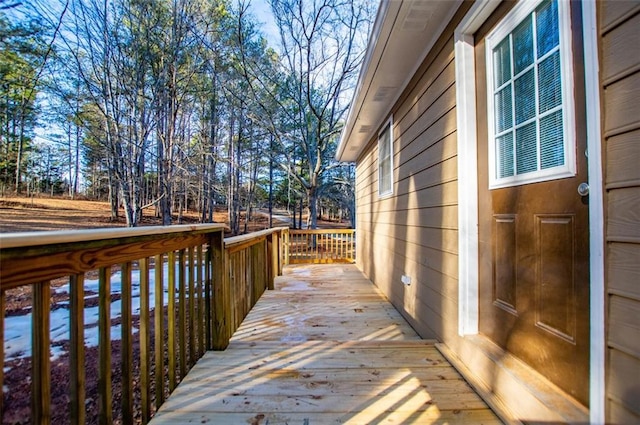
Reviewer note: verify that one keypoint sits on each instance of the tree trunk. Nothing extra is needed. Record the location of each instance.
(271, 182)
(312, 195)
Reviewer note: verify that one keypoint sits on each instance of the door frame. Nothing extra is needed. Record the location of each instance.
(468, 296)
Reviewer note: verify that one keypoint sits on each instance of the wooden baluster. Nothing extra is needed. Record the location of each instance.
(352, 239)
(326, 241)
(311, 241)
(192, 309)
(200, 298)
(171, 319)
(234, 280)
(287, 236)
(283, 255)
(105, 414)
(159, 329)
(41, 355)
(294, 248)
(208, 299)
(127, 346)
(335, 239)
(231, 295)
(344, 248)
(2, 310)
(145, 398)
(76, 349)
(258, 273)
(273, 257)
(182, 312)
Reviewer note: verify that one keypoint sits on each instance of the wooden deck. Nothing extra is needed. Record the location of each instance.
(325, 347)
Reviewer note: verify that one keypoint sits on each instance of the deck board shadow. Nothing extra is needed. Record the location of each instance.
(324, 347)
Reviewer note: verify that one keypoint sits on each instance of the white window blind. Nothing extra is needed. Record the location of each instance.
(530, 95)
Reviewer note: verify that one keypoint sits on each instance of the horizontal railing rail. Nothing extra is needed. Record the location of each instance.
(173, 292)
(320, 246)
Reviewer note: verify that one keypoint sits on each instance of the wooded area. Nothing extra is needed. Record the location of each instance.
(180, 105)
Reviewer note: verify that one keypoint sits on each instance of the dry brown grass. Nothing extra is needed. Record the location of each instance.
(24, 214)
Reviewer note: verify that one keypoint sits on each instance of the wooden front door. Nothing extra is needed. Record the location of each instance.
(533, 223)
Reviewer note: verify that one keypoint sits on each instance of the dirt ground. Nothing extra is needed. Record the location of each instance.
(23, 214)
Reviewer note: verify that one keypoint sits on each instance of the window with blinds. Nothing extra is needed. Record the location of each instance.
(385, 160)
(530, 95)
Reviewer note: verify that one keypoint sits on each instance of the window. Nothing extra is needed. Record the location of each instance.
(530, 96)
(385, 160)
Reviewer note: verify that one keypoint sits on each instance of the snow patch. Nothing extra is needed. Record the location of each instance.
(17, 340)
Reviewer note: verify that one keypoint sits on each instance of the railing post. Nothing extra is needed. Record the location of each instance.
(220, 279)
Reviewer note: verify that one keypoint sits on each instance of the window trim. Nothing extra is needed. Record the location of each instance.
(520, 12)
(388, 126)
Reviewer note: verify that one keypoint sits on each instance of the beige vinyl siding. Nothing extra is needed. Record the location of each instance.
(620, 58)
(414, 232)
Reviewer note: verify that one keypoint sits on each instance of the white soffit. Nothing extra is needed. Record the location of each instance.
(402, 36)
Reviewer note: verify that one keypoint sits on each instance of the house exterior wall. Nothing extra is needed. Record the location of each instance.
(619, 24)
(413, 232)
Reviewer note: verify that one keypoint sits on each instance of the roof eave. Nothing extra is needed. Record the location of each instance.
(403, 34)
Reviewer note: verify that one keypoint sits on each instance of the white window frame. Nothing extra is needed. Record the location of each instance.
(520, 12)
(387, 127)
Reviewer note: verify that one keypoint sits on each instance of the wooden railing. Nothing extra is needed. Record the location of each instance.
(252, 263)
(320, 246)
(205, 284)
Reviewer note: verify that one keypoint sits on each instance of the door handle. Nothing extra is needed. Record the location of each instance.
(583, 189)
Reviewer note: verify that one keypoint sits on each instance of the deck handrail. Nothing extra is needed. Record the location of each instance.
(320, 246)
(207, 272)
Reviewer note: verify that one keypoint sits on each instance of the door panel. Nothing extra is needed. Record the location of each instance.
(534, 253)
(504, 266)
(555, 283)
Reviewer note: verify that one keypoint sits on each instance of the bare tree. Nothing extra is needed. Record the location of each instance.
(322, 45)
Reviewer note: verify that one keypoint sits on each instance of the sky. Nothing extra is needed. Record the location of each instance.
(262, 11)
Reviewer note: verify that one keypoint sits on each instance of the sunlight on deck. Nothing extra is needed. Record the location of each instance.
(324, 347)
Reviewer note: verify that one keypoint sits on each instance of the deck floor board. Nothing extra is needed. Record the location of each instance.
(324, 347)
